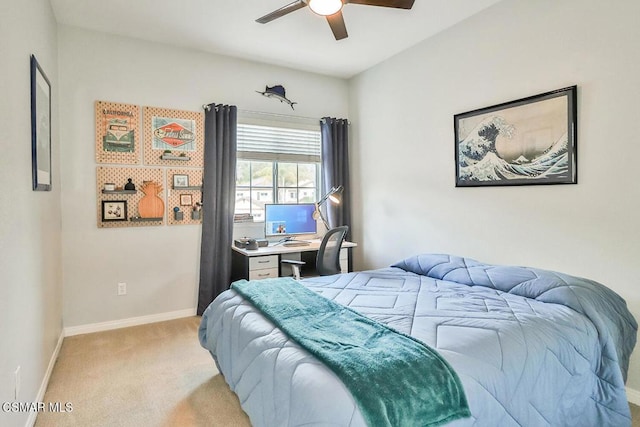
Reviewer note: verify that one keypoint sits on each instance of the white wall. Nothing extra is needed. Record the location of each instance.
(30, 273)
(403, 153)
(159, 264)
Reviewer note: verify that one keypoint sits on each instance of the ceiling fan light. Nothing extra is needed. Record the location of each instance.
(325, 7)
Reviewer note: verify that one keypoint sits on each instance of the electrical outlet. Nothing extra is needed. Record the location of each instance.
(17, 383)
(122, 288)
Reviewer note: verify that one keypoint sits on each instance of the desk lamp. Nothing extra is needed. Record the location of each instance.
(335, 196)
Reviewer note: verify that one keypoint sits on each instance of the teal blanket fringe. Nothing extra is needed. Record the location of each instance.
(395, 379)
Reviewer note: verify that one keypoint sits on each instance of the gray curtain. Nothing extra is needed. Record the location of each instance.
(335, 168)
(218, 201)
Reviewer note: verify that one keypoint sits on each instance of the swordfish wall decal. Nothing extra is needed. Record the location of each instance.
(277, 92)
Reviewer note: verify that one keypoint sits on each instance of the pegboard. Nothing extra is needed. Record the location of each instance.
(194, 190)
(117, 133)
(181, 132)
(119, 176)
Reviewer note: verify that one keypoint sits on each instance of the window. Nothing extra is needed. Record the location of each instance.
(276, 165)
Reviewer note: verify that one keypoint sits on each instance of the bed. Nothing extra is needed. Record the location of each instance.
(530, 347)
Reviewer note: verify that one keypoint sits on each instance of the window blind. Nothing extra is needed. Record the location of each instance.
(278, 143)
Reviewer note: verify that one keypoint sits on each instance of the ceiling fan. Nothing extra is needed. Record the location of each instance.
(332, 10)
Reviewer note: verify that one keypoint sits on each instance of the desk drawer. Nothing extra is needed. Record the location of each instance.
(263, 262)
(263, 274)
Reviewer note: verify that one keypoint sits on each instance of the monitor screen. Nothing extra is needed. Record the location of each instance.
(289, 219)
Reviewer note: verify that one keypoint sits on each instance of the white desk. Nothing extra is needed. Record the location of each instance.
(264, 262)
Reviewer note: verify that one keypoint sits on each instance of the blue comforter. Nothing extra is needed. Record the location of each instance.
(531, 347)
(418, 384)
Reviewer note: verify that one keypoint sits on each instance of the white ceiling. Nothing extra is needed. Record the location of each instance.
(300, 40)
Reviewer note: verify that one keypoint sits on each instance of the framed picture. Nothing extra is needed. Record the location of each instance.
(117, 132)
(180, 181)
(186, 200)
(40, 127)
(114, 210)
(171, 133)
(524, 142)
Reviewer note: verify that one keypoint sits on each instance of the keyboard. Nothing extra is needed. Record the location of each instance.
(295, 243)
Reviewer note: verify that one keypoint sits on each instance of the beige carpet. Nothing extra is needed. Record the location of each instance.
(151, 375)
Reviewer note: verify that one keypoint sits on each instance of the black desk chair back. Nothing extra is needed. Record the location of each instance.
(328, 261)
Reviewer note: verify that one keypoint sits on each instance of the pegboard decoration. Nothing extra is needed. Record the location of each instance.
(117, 133)
(119, 176)
(184, 198)
(173, 137)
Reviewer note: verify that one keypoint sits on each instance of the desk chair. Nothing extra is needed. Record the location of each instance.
(328, 259)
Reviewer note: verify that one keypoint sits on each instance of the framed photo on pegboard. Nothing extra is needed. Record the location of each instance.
(173, 137)
(117, 133)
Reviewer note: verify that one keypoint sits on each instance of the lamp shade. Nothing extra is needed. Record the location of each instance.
(334, 196)
(325, 7)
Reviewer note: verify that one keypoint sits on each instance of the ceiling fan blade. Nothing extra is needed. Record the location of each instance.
(284, 10)
(336, 22)
(398, 4)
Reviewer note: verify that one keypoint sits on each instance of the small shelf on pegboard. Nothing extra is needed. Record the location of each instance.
(174, 157)
(192, 187)
(139, 219)
(119, 191)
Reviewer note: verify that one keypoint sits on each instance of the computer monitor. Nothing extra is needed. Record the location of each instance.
(289, 219)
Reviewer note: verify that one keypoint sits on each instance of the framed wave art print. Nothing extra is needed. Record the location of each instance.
(528, 141)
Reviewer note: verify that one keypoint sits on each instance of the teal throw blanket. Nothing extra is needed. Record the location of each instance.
(395, 379)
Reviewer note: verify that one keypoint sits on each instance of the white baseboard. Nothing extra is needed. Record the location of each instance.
(124, 323)
(633, 396)
(45, 380)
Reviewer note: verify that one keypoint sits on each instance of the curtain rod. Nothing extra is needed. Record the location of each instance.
(263, 113)
(286, 116)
